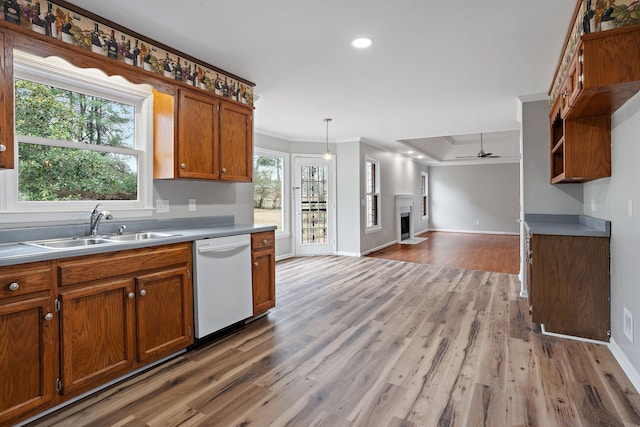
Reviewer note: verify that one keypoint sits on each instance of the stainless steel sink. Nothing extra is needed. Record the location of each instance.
(141, 236)
(78, 242)
(70, 242)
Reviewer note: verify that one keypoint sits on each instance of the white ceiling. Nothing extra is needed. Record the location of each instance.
(438, 72)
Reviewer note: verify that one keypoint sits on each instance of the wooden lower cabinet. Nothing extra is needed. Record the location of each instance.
(27, 357)
(263, 271)
(97, 340)
(568, 284)
(28, 340)
(164, 313)
(116, 312)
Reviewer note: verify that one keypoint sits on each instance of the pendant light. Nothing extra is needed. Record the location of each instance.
(327, 154)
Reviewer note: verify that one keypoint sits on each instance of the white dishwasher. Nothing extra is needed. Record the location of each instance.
(222, 283)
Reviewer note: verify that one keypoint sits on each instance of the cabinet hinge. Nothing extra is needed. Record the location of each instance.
(189, 331)
(59, 385)
(58, 305)
(188, 274)
(608, 332)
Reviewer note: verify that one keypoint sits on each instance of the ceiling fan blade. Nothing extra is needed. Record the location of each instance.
(466, 157)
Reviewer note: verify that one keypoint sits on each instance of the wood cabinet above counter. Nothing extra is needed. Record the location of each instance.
(596, 75)
(197, 136)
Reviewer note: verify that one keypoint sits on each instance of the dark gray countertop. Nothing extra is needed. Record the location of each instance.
(185, 230)
(567, 225)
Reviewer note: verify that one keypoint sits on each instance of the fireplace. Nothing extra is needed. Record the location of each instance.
(404, 222)
(405, 225)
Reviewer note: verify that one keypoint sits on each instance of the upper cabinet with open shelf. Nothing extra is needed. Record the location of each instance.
(598, 72)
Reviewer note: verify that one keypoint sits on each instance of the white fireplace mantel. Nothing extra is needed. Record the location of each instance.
(404, 204)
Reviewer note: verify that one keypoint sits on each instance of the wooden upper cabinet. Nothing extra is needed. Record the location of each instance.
(603, 73)
(6, 102)
(202, 137)
(236, 143)
(197, 136)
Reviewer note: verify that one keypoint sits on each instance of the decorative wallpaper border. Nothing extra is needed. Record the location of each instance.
(71, 27)
(594, 16)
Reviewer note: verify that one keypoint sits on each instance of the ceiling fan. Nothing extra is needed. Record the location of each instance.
(481, 154)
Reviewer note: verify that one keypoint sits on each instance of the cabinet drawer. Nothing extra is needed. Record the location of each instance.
(261, 240)
(102, 266)
(16, 280)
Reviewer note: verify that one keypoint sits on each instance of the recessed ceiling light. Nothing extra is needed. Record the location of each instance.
(410, 152)
(421, 157)
(361, 43)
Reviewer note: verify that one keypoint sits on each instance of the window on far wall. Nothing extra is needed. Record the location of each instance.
(372, 177)
(270, 206)
(424, 194)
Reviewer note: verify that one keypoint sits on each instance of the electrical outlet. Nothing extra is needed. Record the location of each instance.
(162, 206)
(192, 205)
(593, 204)
(627, 323)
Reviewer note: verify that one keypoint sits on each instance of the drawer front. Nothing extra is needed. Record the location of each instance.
(262, 240)
(22, 279)
(102, 266)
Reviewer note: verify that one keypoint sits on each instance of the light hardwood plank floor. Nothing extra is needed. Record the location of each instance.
(374, 342)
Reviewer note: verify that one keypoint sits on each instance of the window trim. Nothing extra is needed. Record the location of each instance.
(286, 201)
(375, 192)
(424, 196)
(60, 73)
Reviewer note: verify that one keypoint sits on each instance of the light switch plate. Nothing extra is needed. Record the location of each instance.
(192, 205)
(630, 208)
(162, 206)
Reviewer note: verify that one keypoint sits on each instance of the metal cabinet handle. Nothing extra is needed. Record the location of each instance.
(183, 165)
(565, 93)
(131, 295)
(3, 148)
(14, 286)
(265, 241)
(48, 316)
(255, 263)
(224, 170)
(143, 292)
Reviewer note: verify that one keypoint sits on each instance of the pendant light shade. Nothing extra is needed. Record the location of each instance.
(327, 154)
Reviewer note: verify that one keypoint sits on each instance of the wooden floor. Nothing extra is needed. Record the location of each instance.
(374, 342)
(487, 252)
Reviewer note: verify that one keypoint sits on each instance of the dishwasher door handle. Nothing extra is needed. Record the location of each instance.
(220, 249)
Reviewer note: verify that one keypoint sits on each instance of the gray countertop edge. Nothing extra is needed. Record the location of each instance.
(567, 225)
(18, 253)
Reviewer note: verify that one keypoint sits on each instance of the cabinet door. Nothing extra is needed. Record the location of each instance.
(264, 280)
(6, 102)
(236, 143)
(164, 313)
(27, 356)
(197, 136)
(97, 334)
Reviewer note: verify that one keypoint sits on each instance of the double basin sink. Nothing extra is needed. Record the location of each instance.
(78, 242)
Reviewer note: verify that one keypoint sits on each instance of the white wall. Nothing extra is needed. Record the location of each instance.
(609, 199)
(398, 175)
(475, 198)
(348, 198)
(539, 196)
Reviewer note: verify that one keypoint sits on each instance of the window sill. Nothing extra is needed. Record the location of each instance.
(375, 229)
(68, 216)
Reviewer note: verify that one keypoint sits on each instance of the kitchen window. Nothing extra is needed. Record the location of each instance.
(270, 184)
(372, 177)
(81, 138)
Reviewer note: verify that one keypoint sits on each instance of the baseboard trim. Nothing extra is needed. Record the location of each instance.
(283, 257)
(386, 245)
(625, 364)
(353, 254)
(570, 337)
(477, 232)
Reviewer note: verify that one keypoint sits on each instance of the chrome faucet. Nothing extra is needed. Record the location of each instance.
(96, 216)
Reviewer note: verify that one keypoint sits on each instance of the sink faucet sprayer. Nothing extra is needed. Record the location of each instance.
(95, 219)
